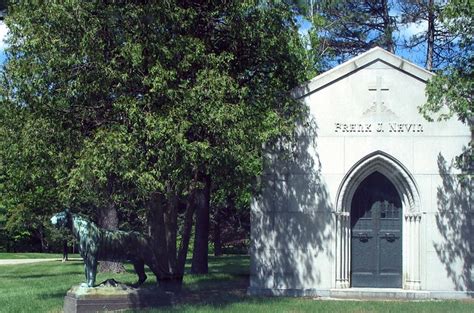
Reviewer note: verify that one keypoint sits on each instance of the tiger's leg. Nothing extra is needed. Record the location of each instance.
(139, 267)
(86, 272)
(92, 272)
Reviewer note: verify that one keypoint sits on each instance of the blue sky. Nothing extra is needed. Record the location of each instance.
(3, 33)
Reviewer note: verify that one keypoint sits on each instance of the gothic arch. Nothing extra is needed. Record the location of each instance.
(403, 181)
(387, 165)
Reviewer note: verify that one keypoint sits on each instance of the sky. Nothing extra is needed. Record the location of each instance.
(3, 33)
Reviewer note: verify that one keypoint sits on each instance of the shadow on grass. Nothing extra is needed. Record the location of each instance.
(224, 288)
(212, 290)
(226, 283)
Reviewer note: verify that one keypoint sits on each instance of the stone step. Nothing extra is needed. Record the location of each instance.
(379, 293)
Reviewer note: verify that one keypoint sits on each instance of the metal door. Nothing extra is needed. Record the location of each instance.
(376, 222)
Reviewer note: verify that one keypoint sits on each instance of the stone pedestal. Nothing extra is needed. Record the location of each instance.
(81, 299)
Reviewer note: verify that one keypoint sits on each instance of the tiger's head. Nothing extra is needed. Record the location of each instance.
(61, 219)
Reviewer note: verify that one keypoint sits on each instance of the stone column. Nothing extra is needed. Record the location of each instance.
(348, 250)
(407, 252)
(412, 250)
(343, 244)
(412, 233)
(417, 254)
(339, 250)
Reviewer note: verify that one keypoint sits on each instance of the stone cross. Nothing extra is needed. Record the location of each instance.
(379, 104)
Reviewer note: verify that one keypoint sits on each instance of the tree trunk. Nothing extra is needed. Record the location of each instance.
(43, 247)
(162, 227)
(186, 235)
(65, 253)
(431, 35)
(157, 232)
(108, 219)
(388, 27)
(201, 236)
(217, 235)
(171, 227)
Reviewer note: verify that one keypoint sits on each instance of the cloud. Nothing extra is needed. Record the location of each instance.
(408, 30)
(3, 34)
(304, 25)
(416, 55)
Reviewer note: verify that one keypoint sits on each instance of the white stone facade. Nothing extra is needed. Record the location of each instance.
(363, 119)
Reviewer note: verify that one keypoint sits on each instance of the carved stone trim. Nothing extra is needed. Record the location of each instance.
(404, 183)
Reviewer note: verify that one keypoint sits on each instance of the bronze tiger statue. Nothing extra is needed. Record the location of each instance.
(97, 244)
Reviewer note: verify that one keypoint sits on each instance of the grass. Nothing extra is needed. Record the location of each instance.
(5, 255)
(296, 305)
(41, 287)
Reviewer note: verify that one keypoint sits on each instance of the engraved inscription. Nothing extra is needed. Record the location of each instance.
(390, 127)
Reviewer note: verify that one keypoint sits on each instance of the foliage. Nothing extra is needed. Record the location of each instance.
(450, 92)
(27, 164)
(129, 105)
(343, 29)
(230, 216)
(438, 41)
(4, 238)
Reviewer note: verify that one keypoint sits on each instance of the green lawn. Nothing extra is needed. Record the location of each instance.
(41, 287)
(4, 255)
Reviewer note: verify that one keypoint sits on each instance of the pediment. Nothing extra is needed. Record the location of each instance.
(369, 58)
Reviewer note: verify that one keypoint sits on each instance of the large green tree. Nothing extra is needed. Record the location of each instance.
(143, 109)
(450, 92)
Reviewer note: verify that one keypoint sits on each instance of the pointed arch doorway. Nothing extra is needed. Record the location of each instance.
(378, 197)
(376, 234)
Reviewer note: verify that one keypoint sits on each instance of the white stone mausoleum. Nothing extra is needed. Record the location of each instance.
(368, 202)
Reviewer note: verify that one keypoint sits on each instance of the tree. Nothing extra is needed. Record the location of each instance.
(452, 88)
(230, 218)
(151, 105)
(3, 9)
(28, 175)
(450, 92)
(439, 42)
(242, 155)
(348, 28)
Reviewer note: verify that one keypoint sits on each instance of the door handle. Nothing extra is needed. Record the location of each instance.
(364, 237)
(390, 237)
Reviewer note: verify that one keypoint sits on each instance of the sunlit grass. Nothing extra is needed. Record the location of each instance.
(41, 287)
(295, 305)
(5, 255)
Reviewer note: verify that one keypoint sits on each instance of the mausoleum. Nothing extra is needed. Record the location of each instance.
(367, 202)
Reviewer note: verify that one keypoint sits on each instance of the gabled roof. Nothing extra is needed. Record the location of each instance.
(359, 62)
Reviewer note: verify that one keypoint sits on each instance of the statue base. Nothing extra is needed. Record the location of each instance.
(110, 296)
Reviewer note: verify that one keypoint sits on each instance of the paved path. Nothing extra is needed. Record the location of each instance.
(27, 261)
